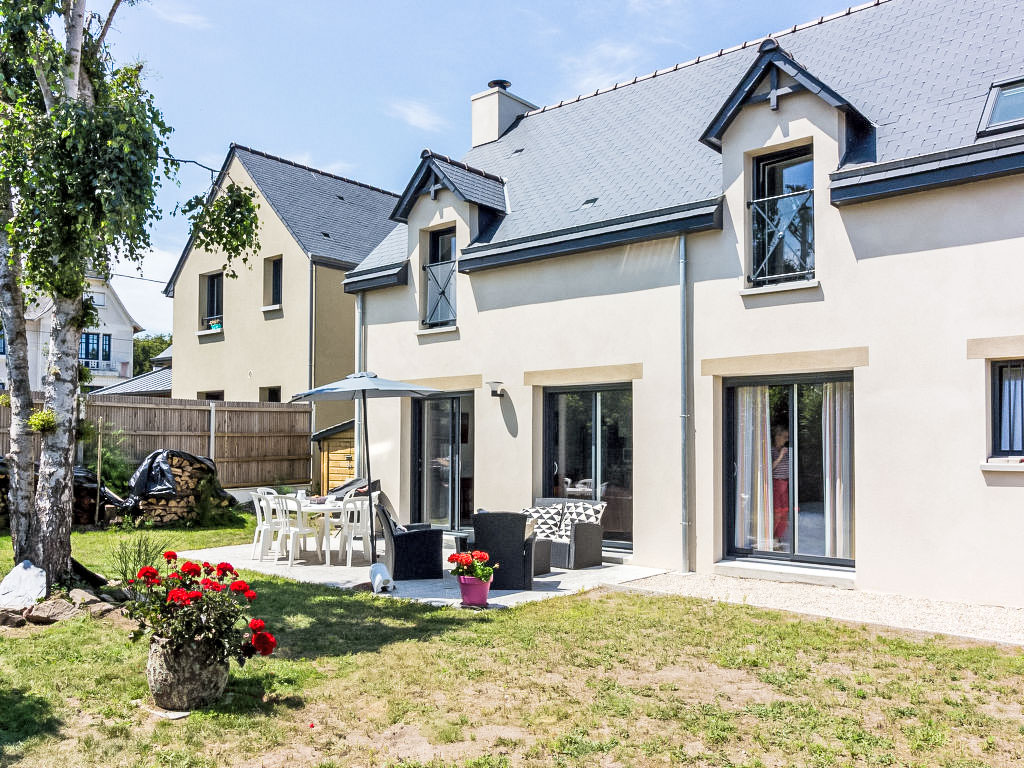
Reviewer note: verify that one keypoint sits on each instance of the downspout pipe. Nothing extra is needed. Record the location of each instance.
(313, 455)
(684, 400)
(360, 366)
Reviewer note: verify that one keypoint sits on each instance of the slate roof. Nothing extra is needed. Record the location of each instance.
(468, 183)
(164, 357)
(310, 203)
(918, 70)
(155, 382)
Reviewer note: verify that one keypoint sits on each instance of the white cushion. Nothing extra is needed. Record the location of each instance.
(581, 512)
(547, 520)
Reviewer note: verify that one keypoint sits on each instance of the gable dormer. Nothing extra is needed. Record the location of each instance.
(472, 185)
(774, 75)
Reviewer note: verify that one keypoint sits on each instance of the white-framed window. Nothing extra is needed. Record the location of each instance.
(1004, 108)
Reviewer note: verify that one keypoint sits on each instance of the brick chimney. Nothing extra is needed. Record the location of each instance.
(494, 110)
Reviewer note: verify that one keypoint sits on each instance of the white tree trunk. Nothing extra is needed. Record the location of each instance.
(19, 458)
(54, 498)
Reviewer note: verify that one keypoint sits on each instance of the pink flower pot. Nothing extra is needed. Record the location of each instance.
(474, 591)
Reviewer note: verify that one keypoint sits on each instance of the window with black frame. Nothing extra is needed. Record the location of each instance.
(3, 342)
(439, 279)
(212, 302)
(89, 346)
(588, 452)
(1008, 408)
(788, 468)
(782, 217)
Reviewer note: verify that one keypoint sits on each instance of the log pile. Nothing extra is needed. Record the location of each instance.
(183, 507)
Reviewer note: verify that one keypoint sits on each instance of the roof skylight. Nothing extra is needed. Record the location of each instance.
(1004, 109)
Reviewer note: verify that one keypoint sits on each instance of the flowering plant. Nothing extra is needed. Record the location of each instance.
(198, 603)
(472, 564)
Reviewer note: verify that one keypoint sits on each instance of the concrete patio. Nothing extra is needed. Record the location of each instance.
(443, 591)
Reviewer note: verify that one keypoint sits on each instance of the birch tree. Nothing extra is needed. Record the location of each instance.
(83, 151)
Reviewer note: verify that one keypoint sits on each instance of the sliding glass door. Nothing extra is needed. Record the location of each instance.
(588, 452)
(789, 468)
(443, 458)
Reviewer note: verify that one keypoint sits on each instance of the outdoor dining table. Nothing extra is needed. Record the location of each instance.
(351, 515)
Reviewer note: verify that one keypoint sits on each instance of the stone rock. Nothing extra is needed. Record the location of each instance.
(53, 610)
(108, 599)
(23, 586)
(100, 609)
(11, 619)
(80, 597)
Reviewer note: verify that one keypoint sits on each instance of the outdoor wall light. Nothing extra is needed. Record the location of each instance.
(496, 388)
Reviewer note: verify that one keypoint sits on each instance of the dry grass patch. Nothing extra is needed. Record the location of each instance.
(605, 679)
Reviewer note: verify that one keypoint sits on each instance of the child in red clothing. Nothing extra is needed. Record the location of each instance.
(780, 483)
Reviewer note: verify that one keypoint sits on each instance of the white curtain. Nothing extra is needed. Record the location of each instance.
(1011, 416)
(837, 455)
(753, 469)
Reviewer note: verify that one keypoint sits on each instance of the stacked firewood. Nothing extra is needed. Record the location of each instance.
(182, 508)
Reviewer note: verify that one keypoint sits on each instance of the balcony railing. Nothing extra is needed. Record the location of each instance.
(783, 237)
(100, 365)
(440, 279)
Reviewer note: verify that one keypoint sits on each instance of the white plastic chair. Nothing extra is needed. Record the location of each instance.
(267, 524)
(298, 529)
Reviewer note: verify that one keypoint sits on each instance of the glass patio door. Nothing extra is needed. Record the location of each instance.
(445, 461)
(589, 452)
(791, 482)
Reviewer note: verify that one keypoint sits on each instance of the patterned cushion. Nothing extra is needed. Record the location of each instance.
(547, 520)
(581, 512)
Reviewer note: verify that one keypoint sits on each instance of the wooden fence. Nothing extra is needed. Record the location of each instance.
(252, 443)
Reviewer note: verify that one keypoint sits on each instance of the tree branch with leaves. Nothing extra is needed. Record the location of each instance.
(83, 153)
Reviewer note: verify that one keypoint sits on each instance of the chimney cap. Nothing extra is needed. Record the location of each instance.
(503, 84)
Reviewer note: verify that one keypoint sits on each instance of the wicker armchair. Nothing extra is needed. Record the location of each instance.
(413, 553)
(503, 535)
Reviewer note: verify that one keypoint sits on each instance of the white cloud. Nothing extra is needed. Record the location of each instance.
(143, 299)
(179, 13)
(602, 65)
(417, 114)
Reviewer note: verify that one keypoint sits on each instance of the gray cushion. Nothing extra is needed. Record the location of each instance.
(547, 520)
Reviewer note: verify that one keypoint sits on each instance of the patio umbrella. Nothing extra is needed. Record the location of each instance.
(360, 386)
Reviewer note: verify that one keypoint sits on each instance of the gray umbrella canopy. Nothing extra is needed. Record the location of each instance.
(361, 386)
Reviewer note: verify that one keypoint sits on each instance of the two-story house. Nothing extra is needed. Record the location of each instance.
(764, 303)
(285, 323)
(106, 349)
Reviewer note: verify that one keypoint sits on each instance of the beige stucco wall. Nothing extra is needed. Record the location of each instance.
(909, 280)
(256, 349)
(551, 321)
(333, 341)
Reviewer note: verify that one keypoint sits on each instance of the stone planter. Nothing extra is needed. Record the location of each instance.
(474, 591)
(185, 678)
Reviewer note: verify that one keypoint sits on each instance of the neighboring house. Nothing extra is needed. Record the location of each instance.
(765, 304)
(285, 324)
(152, 383)
(105, 349)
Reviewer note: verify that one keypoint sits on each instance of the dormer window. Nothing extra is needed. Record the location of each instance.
(1004, 110)
(782, 217)
(439, 279)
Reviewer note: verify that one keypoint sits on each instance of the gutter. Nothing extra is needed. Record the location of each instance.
(684, 399)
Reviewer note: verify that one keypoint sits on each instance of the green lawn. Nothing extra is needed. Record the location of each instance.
(602, 679)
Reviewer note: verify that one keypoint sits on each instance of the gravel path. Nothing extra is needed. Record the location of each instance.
(979, 622)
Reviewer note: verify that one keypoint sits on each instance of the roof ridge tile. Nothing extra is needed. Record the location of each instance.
(286, 161)
(459, 164)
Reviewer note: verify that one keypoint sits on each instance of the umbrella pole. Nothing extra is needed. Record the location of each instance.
(369, 484)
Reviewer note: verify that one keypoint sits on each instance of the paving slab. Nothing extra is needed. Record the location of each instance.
(444, 591)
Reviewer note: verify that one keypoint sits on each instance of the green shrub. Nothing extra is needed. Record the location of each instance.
(212, 509)
(5, 400)
(134, 552)
(43, 421)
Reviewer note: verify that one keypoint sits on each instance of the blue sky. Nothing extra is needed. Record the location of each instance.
(360, 88)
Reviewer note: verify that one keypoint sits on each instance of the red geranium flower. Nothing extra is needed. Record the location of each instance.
(170, 555)
(250, 595)
(147, 572)
(191, 569)
(257, 625)
(178, 595)
(194, 594)
(239, 586)
(264, 643)
(453, 557)
(224, 568)
(480, 555)
(174, 575)
(207, 569)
